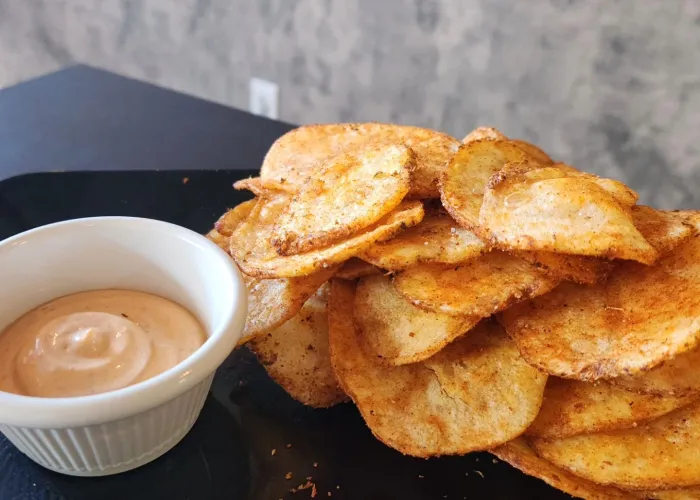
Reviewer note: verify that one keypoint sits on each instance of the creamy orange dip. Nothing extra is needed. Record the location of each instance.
(94, 342)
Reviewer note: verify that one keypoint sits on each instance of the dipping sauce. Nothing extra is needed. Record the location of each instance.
(94, 342)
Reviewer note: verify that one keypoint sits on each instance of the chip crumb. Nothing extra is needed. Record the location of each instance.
(420, 476)
(185, 180)
(315, 464)
(273, 452)
(313, 491)
(288, 476)
(480, 473)
(329, 494)
(495, 460)
(289, 445)
(337, 487)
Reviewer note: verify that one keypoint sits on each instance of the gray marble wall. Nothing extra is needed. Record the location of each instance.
(610, 86)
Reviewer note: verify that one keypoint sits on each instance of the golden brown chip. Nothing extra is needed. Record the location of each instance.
(474, 394)
(349, 192)
(296, 355)
(395, 331)
(639, 317)
(576, 268)
(663, 230)
(219, 239)
(437, 240)
(661, 454)
(520, 455)
(678, 376)
(551, 209)
(534, 152)
(356, 268)
(464, 182)
(260, 187)
(483, 133)
(573, 407)
(228, 222)
(253, 252)
(478, 288)
(294, 157)
(271, 302)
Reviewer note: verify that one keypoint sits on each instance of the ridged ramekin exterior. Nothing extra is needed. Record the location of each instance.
(112, 447)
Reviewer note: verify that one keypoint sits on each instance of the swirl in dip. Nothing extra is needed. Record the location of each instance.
(94, 342)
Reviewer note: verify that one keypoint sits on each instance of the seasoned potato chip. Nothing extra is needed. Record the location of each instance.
(639, 317)
(271, 302)
(663, 230)
(573, 407)
(661, 454)
(295, 157)
(464, 182)
(547, 208)
(296, 355)
(678, 376)
(219, 239)
(576, 268)
(349, 193)
(437, 240)
(478, 288)
(520, 455)
(259, 187)
(228, 222)
(474, 394)
(253, 252)
(356, 268)
(533, 151)
(483, 133)
(395, 331)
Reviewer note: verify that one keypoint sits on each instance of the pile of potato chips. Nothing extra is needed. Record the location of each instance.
(477, 295)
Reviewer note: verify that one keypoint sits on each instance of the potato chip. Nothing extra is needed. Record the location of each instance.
(533, 151)
(520, 455)
(350, 192)
(259, 187)
(356, 268)
(484, 133)
(218, 238)
(253, 252)
(296, 355)
(576, 268)
(639, 317)
(622, 193)
(464, 181)
(228, 222)
(663, 230)
(661, 454)
(474, 394)
(573, 407)
(395, 331)
(547, 208)
(678, 376)
(295, 157)
(271, 302)
(479, 288)
(437, 239)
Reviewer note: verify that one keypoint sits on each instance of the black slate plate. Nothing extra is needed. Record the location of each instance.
(228, 454)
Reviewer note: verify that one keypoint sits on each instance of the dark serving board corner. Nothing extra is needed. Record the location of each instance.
(228, 454)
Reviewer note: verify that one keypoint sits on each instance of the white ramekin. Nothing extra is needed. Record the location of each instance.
(120, 430)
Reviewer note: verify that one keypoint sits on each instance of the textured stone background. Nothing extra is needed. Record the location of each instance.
(610, 86)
